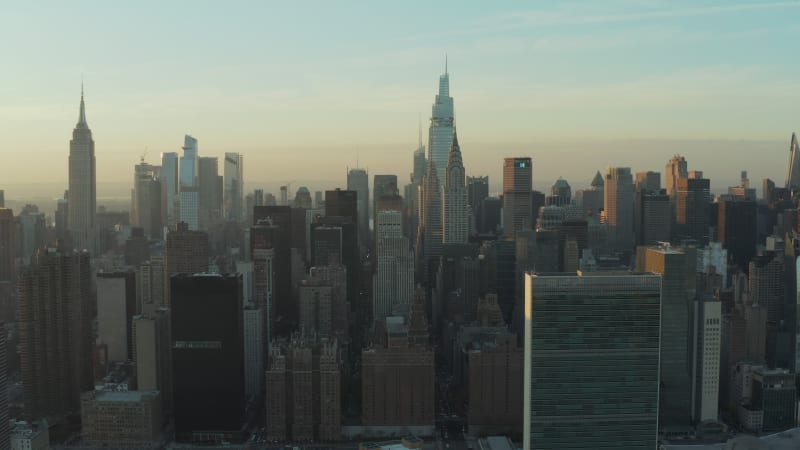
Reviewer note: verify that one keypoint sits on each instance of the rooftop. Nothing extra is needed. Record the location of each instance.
(785, 440)
(122, 396)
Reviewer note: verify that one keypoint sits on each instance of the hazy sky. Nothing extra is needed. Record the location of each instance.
(303, 88)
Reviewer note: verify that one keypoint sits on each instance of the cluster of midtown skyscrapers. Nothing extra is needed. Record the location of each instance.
(620, 316)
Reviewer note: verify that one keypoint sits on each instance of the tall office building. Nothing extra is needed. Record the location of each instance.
(692, 208)
(316, 307)
(477, 191)
(339, 203)
(171, 185)
(254, 339)
(207, 357)
(653, 217)
(455, 217)
(303, 385)
(82, 184)
(187, 251)
(189, 189)
(517, 186)
(209, 183)
(440, 134)
(737, 226)
(358, 181)
(55, 332)
(7, 241)
(591, 200)
(116, 306)
(619, 208)
(675, 170)
(148, 209)
(151, 284)
(677, 270)
(234, 187)
(648, 181)
(431, 222)
(793, 173)
(382, 186)
(393, 282)
(153, 354)
(706, 345)
(411, 193)
(598, 389)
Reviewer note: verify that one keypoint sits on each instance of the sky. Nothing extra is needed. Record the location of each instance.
(307, 89)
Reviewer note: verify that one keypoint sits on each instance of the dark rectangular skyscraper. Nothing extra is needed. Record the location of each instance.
(692, 209)
(737, 228)
(342, 203)
(208, 356)
(517, 186)
(591, 361)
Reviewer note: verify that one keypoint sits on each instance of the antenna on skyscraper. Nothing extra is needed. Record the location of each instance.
(445, 63)
(419, 119)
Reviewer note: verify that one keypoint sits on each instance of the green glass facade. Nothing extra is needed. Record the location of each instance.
(592, 361)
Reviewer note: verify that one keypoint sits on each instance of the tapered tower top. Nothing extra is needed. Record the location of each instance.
(82, 117)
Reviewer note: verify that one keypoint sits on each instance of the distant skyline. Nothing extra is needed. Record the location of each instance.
(305, 92)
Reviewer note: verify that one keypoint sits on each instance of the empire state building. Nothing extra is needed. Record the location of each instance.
(82, 194)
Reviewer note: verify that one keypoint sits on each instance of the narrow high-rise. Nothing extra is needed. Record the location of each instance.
(793, 173)
(234, 187)
(517, 186)
(189, 190)
(358, 181)
(82, 184)
(619, 208)
(431, 221)
(455, 220)
(171, 185)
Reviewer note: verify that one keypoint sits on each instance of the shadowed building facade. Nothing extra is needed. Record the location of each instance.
(591, 361)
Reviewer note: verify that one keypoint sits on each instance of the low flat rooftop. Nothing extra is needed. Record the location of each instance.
(121, 396)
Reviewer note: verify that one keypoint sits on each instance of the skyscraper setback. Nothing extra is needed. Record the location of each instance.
(82, 184)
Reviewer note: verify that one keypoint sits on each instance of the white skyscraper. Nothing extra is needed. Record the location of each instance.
(82, 192)
(234, 182)
(440, 137)
(393, 282)
(455, 220)
(253, 350)
(706, 359)
(190, 195)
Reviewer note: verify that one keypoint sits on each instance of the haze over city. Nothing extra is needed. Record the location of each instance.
(306, 90)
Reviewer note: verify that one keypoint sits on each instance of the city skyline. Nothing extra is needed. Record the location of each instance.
(549, 83)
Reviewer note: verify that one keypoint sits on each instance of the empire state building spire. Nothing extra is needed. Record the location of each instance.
(82, 117)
